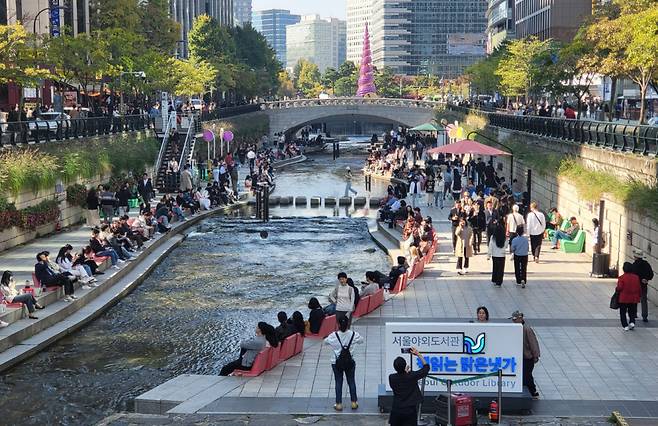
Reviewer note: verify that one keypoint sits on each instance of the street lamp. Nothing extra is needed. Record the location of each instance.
(34, 31)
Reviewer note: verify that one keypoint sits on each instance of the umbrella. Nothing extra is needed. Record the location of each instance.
(427, 127)
(467, 146)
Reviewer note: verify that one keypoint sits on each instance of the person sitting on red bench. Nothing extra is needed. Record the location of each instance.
(316, 316)
(284, 329)
(249, 349)
(397, 270)
(49, 278)
(297, 322)
(11, 295)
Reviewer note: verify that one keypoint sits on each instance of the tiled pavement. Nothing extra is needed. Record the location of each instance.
(589, 366)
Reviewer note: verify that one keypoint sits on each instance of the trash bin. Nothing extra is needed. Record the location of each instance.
(600, 265)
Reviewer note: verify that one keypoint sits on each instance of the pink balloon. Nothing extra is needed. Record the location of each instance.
(208, 136)
(228, 136)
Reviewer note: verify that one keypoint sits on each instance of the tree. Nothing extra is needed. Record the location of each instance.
(106, 14)
(17, 59)
(347, 69)
(346, 86)
(329, 78)
(482, 74)
(308, 78)
(520, 71)
(193, 77)
(160, 32)
(386, 84)
(286, 88)
(259, 60)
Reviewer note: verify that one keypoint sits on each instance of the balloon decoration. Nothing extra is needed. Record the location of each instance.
(208, 136)
(228, 136)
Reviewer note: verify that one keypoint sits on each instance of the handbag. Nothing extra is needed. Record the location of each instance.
(614, 301)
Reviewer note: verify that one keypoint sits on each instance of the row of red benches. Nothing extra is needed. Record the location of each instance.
(270, 357)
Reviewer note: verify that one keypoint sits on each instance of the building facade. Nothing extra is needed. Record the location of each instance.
(185, 11)
(358, 14)
(435, 37)
(321, 41)
(556, 19)
(241, 12)
(500, 23)
(272, 25)
(26, 11)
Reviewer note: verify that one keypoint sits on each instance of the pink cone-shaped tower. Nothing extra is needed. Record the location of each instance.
(366, 80)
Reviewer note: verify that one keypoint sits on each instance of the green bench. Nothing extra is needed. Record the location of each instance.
(577, 245)
(565, 225)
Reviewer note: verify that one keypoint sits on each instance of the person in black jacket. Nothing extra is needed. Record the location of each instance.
(406, 393)
(397, 270)
(643, 269)
(145, 188)
(93, 219)
(49, 278)
(478, 224)
(316, 316)
(284, 330)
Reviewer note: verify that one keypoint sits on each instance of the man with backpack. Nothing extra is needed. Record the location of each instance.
(342, 342)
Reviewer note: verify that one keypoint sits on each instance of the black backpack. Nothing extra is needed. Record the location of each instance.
(345, 362)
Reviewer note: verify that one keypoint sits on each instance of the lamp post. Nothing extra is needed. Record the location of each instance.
(34, 31)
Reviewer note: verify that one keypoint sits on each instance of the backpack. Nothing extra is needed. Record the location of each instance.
(345, 362)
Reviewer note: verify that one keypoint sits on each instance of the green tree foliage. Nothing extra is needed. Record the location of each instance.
(160, 32)
(193, 76)
(308, 78)
(259, 63)
(347, 69)
(106, 14)
(386, 84)
(329, 78)
(286, 87)
(482, 74)
(521, 70)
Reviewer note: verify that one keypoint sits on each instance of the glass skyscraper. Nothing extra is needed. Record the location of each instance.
(428, 37)
(272, 24)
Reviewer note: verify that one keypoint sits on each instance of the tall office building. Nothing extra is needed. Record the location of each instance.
(501, 25)
(185, 11)
(321, 41)
(241, 12)
(436, 37)
(358, 14)
(556, 19)
(75, 18)
(272, 25)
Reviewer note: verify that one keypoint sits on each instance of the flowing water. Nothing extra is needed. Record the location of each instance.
(190, 314)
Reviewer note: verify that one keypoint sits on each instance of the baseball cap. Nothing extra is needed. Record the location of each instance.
(638, 253)
(516, 315)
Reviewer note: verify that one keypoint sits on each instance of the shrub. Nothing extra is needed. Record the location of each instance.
(29, 218)
(76, 194)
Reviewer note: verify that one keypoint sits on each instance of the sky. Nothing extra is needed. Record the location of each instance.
(326, 9)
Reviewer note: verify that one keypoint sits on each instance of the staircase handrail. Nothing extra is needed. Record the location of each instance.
(165, 140)
(189, 134)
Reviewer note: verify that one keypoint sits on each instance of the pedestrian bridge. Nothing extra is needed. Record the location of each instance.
(290, 116)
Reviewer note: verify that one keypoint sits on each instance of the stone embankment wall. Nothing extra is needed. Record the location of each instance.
(624, 228)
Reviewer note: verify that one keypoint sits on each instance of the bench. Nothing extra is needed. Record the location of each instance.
(576, 245)
(563, 227)
(376, 300)
(329, 325)
(288, 347)
(400, 284)
(362, 307)
(260, 364)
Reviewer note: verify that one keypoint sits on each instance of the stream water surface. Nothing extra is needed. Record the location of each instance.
(191, 313)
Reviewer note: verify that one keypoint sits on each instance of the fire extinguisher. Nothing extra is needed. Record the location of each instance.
(493, 411)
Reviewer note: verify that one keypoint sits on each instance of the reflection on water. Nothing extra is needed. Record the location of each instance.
(188, 316)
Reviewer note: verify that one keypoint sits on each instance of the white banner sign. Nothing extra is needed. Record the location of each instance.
(458, 351)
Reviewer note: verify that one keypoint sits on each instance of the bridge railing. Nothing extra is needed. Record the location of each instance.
(615, 136)
(307, 103)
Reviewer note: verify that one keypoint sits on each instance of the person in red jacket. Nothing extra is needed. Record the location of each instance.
(630, 292)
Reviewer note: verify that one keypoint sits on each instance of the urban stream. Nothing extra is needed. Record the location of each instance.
(208, 294)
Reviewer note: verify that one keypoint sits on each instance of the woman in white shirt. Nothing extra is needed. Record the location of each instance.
(201, 195)
(339, 340)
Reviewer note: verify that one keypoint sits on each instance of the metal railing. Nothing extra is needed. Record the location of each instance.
(165, 140)
(306, 103)
(38, 131)
(612, 135)
(190, 135)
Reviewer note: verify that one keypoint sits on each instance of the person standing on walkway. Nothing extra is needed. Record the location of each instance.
(344, 297)
(490, 217)
(497, 248)
(536, 227)
(645, 272)
(514, 220)
(348, 182)
(520, 252)
(463, 246)
(414, 189)
(186, 179)
(478, 224)
(630, 294)
(455, 213)
(342, 342)
(531, 353)
(447, 181)
(406, 393)
(429, 189)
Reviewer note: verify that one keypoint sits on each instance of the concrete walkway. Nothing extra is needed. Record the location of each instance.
(589, 365)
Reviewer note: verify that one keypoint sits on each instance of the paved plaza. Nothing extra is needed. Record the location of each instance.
(589, 365)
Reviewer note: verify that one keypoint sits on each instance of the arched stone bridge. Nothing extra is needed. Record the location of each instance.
(290, 116)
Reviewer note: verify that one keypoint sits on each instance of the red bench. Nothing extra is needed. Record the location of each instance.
(288, 347)
(400, 284)
(37, 283)
(376, 300)
(275, 357)
(260, 364)
(362, 307)
(328, 326)
(299, 346)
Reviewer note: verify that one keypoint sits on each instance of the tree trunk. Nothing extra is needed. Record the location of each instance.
(643, 96)
(612, 101)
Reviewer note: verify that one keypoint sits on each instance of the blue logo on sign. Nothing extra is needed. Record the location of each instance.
(474, 346)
